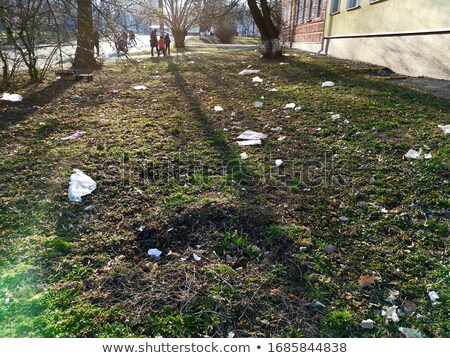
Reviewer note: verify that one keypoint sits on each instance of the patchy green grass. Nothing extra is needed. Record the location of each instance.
(269, 241)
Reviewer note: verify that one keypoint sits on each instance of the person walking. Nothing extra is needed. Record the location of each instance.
(154, 41)
(167, 44)
(131, 38)
(161, 46)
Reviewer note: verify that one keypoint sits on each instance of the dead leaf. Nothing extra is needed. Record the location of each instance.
(366, 280)
(294, 297)
(274, 291)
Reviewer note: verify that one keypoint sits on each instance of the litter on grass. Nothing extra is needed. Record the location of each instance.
(273, 90)
(257, 79)
(218, 108)
(283, 63)
(258, 104)
(140, 87)
(12, 97)
(281, 138)
(290, 106)
(446, 128)
(433, 295)
(249, 142)
(335, 116)
(278, 162)
(80, 185)
(410, 332)
(327, 84)
(248, 72)
(315, 304)
(367, 324)
(75, 135)
(299, 108)
(252, 135)
(154, 252)
(414, 154)
(196, 257)
(276, 129)
(244, 156)
(390, 313)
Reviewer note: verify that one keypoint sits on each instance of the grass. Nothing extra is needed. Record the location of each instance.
(169, 176)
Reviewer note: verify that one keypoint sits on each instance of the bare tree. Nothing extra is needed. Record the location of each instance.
(84, 54)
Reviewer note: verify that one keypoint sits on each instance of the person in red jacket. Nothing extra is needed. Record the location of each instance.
(161, 47)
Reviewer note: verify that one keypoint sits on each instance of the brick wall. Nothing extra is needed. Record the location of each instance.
(310, 30)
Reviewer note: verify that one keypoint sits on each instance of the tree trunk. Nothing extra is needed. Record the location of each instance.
(84, 54)
(269, 33)
(179, 36)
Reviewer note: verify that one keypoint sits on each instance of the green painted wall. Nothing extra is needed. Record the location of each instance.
(389, 16)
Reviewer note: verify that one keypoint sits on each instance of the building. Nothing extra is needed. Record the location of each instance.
(410, 37)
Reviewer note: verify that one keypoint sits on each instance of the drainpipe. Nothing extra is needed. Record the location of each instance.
(324, 25)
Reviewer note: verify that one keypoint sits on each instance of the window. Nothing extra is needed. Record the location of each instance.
(351, 4)
(335, 5)
(319, 8)
(297, 11)
(303, 10)
(310, 10)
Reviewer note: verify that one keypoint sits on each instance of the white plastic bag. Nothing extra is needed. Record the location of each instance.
(80, 185)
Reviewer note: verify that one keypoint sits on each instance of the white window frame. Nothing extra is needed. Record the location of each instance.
(338, 7)
(352, 4)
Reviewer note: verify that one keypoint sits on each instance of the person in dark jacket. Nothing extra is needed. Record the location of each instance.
(167, 44)
(154, 41)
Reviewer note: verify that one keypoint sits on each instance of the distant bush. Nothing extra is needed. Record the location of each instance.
(225, 33)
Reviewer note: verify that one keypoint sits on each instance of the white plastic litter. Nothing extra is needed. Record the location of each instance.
(154, 252)
(12, 97)
(276, 129)
(433, 295)
(248, 72)
(446, 128)
(390, 313)
(140, 87)
(410, 332)
(252, 135)
(299, 108)
(244, 156)
(414, 154)
(367, 324)
(218, 108)
(327, 84)
(257, 79)
(278, 162)
(335, 116)
(281, 138)
(80, 185)
(196, 257)
(290, 106)
(283, 63)
(273, 90)
(258, 104)
(249, 142)
(75, 135)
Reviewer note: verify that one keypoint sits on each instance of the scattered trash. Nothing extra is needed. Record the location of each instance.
(384, 210)
(335, 116)
(393, 295)
(343, 218)
(315, 304)
(345, 122)
(433, 295)
(75, 135)
(273, 90)
(12, 97)
(244, 156)
(6, 302)
(408, 308)
(410, 332)
(218, 297)
(283, 63)
(290, 106)
(366, 280)
(218, 108)
(281, 138)
(257, 79)
(329, 249)
(230, 259)
(155, 253)
(446, 128)
(303, 248)
(299, 108)
(77, 97)
(80, 185)
(89, 208)
(367, 324)
(196, 257)
(276, 129)
(390, 313)
(191, 62)
(252, 135)
(140, 87)
(249, 142)
(258, 104)
(278, 162)
(327, 84)
(414, 154)
(248, 72)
